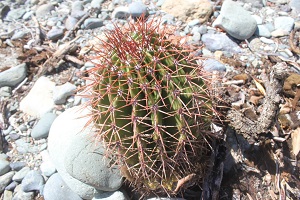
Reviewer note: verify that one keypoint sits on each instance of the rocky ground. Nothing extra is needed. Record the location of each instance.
(45, 48)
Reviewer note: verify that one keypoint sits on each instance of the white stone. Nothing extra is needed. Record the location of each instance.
(40, 98)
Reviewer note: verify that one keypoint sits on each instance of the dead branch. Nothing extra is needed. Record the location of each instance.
(294, 48)
(38, 39)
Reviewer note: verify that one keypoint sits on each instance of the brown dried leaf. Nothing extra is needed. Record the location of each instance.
(287, 107)
(259, 87)
(296, 141)
(255, 99)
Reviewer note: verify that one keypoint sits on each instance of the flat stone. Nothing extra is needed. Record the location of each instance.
(96, 3)
(56, 189)
(41, 129)
(137, 9)
(21, 195)
(18, 177)
(44, 10)
(5, 180)
(62, 92)
(188, 10)
(92, 23)
(213, 65)
(262, 31)
(33, 181)
(235, 20)
(284, 23)
(16, 14)
(13, 76)
(4, 166)
(11, 186)
(40, 98)
(279, 33)
(55, 33)
(47, 168)
(5, 91)
(120, 12)
(220, 42)
(67, 131)
(70, 22)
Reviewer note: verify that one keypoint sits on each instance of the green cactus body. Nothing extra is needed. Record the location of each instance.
(151, 105)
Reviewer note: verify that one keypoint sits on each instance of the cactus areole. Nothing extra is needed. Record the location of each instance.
(151, 106)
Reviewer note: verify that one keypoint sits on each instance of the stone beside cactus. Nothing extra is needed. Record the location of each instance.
(151, 106)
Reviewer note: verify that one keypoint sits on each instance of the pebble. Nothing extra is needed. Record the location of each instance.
(11, 186)
(47, 168)
(5, 91)
(32, 181)
(43, 10)
(55, 33)
(266, 40)
(18, 177)
(236, 21)
(262, 31)
(96, 4)
(221, 42)
(17, 166)
(110, 196)
(279, 33)
(41, 129)
(5, 180)
(120, 12)
(56, 189)
(70, 22)
(13, 76)
(62, 92)
(92, 23)
(19, 35)
(137, 9)
(21, 195)
(15, 14)
(295, 5)
(7, 195)
(4, 166)
(284, 23)
(211, 65)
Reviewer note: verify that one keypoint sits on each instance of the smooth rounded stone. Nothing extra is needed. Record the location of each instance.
(17, 166)
(188, 10)
(13, 76)
(19, 35)
(77, 9)
(22, 146)
(47, 168)
(120, 12)
(196, 37)
(110, 196)
(4, 166)
(221, 42)
(96, 3)
(92, 23)
(28, 15)
(235, 20)
(7, 195)
(5, 180)
(266, 40)
(194, 22)
(11, 186)
(213, 65)
(21, 195)
(41, 129)
(279, 33)
(7, 131)
(18, 177)
(62, 92)
(32, 181)
(56, 189)
(137, 9)
(5, 91)
(70, 22)
(15, 14)
(63, 133)
(262, 31)
(40, 98)
(44, 10)
(55, 33)
(4, 9)
(14, 136)
(284, 23)
(295, 5)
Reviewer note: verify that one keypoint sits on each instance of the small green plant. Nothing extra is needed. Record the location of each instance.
(151, 106)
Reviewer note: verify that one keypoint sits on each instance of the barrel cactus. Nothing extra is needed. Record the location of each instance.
(151, 105)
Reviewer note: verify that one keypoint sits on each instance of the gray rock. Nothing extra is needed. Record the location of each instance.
(4, 166)
(27, 15)
(13, 76)
(258, 19)
(41, 129)
(5, 91)
(262, 31)
(236, 21)
(194, 22)
(19, 35)
(196, 37)
(22, 146)
(44, 10)
(70, 22)
(110, 196)
(62, 92)
(21, 195)
(284, 23)
(16, 14)
(295, 5)
(137, 9)
(96, 4)
(56, 189)
(21, 174)
(7, 195)
(213, 65)
(63, 131)
(92, 23)
(17, 166)
(32, 181)
(77, 9)
(222, 42)
(120, 12)
(55, 33)
(5, 180)
(47, 168)
(11, 186)
(4, 9)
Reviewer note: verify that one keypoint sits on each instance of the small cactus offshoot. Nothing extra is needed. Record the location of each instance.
(151, 106)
